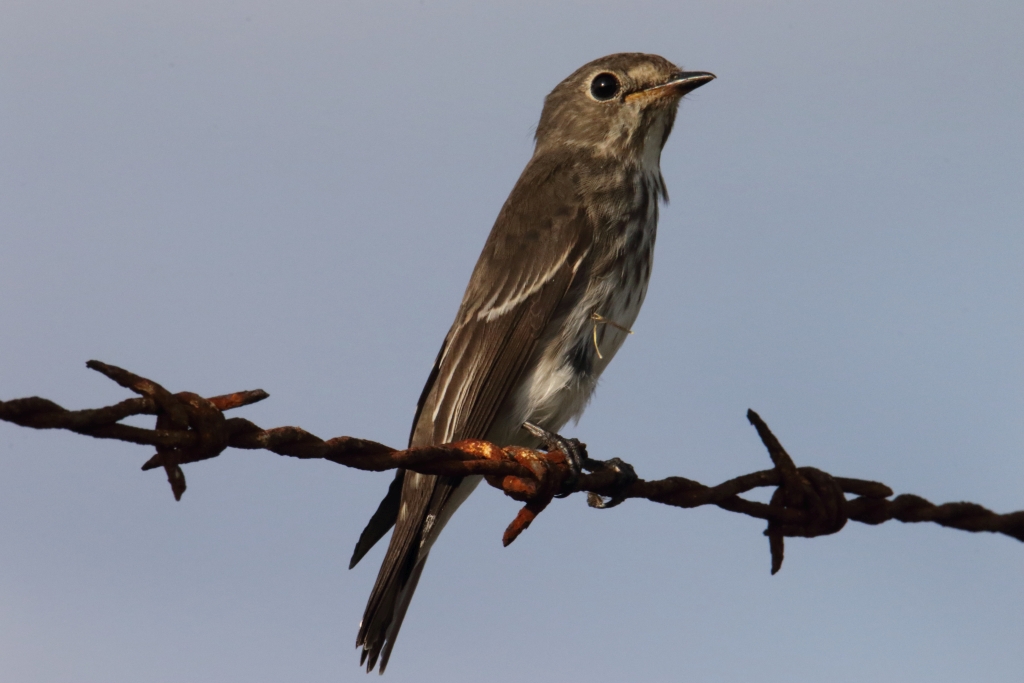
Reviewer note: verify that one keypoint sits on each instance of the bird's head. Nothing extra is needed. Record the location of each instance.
(622, 105)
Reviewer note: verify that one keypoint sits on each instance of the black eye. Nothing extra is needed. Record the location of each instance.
(604, 87)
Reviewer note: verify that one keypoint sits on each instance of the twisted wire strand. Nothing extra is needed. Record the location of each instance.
(807, 502)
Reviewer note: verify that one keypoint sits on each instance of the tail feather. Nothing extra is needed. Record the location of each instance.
(375, 628)
(384, 614)
(382, 521)
(398, 616)
(398, 575)
(426, 504)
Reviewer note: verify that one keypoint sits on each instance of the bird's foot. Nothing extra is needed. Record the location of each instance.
(575, 455)
(624, 476)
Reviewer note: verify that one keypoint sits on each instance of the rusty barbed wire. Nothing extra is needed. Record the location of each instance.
(807, 502)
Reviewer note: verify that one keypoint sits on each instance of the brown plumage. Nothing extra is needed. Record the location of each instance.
(575, 238)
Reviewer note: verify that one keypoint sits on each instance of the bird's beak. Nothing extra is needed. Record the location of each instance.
(677, 86)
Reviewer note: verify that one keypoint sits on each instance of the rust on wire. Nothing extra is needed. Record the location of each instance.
(806, 502)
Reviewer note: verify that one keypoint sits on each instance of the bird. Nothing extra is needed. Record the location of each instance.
(554, 294)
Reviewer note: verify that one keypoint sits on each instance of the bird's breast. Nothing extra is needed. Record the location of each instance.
(573, 353)
(619, 284)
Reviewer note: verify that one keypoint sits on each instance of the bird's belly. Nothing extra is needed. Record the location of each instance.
(557, 386)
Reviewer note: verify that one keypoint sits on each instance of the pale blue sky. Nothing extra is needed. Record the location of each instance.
(290, 196)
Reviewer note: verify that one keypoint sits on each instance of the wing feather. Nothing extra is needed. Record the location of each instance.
(527, 265)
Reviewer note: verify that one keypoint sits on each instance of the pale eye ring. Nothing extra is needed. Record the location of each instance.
(604, 87)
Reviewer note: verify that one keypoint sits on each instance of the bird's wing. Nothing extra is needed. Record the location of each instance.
(531, 259)
(525, 267)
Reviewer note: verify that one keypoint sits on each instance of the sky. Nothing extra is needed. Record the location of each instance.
(291, 196)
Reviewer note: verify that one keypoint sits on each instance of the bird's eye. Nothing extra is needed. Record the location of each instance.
(604, 87)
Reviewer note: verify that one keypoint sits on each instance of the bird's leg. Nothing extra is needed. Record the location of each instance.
(575, 454)
(578, 460)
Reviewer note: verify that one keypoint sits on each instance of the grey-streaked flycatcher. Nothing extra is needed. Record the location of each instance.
(554, 293)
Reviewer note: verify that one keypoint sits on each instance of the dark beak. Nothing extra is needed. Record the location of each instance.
(688, 81)
(674, 88)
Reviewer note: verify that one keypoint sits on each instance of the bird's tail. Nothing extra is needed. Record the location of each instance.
(399, 573)
(385, 611)
(427, 503)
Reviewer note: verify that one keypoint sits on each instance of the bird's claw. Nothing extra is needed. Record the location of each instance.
(577, 460)
(624, 476)
(575, 455)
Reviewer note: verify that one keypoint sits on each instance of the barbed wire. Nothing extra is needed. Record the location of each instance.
(807, 502)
